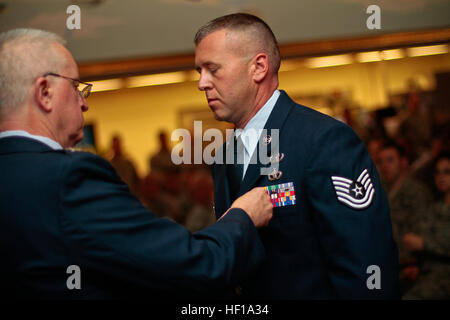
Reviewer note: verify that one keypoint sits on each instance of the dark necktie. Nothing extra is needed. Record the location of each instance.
(235, 170)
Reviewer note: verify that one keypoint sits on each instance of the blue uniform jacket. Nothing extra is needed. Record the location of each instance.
(63, 208)
(326, 245)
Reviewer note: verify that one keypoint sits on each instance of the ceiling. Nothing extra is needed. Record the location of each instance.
(118, 29)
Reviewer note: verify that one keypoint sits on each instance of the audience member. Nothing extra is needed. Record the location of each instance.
(161, 161)
(123, 165)
(200, 191)
(409, 201)
(433, 243)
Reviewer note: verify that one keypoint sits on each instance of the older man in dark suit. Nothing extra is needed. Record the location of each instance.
(331, 236)
(65, 213)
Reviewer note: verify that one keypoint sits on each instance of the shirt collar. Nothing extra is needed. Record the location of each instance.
(256, 124)
(21, 133)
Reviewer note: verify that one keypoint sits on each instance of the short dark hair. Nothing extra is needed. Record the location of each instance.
(441, 156)
(244, 22)
(391, 144)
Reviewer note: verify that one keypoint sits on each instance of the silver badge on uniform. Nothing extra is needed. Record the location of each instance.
(355, 194)
(275, 175)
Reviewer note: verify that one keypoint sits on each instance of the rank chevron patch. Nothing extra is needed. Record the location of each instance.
(355, 194)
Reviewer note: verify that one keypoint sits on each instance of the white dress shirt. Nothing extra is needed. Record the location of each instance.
(21, 133)
(255, 125)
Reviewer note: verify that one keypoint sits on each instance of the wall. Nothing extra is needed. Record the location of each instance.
(138, 114)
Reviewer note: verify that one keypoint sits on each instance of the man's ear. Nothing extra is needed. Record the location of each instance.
(260, 67)
(42, 94)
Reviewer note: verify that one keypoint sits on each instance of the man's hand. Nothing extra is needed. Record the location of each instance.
(410, 273)
(413, 241)
(256, 203)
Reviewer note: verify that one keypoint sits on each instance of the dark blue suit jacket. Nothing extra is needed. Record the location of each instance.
(62, 208)
(321, 247)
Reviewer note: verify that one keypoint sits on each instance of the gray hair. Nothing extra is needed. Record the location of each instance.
(25, 54)
(259, 30)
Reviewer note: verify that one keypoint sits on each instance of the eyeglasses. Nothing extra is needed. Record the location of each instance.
(84, 93)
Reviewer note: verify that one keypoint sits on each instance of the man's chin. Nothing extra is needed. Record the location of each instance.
(217, 117)
(77, 139)
(220, 117)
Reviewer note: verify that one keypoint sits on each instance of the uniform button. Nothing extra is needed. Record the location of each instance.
(238, 290)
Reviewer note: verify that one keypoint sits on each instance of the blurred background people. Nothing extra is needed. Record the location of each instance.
(409, 202)
(433, 243)
(200, 189)
(182, 193)
(123, 165)
(161, 189)
(161, 161)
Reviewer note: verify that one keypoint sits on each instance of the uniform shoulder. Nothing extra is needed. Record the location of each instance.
(311, 121)
(76, 160)
(72, 154)
(309, 114)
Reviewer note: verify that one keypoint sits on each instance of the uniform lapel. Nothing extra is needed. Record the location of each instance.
(276, 121)
(253, 175)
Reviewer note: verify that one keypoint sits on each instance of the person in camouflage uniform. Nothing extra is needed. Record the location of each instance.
(433, 244)
(409, 202)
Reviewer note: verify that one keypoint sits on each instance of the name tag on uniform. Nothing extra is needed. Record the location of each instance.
(281, 194)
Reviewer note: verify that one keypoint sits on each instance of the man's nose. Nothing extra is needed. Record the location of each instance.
(204, 82)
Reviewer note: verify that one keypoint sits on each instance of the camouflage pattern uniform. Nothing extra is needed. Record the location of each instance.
(434, 277)
(409, 206)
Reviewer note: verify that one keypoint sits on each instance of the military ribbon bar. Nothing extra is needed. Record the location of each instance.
(281, 194)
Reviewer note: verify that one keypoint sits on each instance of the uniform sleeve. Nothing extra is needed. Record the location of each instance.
(351, 215)
(437, 235)
(413, 217)
(108, 230)
(438, 244)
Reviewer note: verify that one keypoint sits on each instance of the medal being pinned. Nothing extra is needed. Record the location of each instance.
(281, 194)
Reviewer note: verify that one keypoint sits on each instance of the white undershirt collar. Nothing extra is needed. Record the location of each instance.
(256, 125)
(21, 133)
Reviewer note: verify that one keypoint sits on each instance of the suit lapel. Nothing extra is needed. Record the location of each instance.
(253, 175)
(275, 121)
